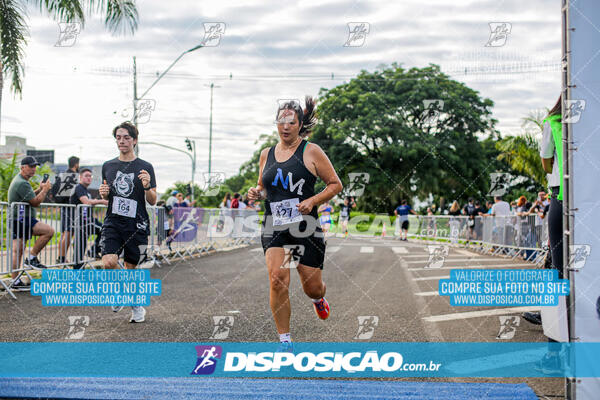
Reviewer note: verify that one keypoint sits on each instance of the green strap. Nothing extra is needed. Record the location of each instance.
(305, 144)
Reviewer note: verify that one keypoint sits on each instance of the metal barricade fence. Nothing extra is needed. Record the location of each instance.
(88, 233)
(74, 233)
(6, 246)
(513, 235)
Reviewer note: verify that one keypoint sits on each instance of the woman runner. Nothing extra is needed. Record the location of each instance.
(287, 176)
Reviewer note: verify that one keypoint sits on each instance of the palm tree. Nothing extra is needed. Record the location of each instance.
(522, 152)
(120, 16)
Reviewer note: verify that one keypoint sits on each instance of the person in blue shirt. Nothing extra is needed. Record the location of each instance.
(401, 213)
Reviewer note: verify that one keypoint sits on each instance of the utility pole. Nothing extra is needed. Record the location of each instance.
(212, 85)
(135, 100)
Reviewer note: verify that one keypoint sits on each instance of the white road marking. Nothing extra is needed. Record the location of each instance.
(435, 293)
(332, 249)
(257, 249)
(474, 267)
(431, 278)
(465, 252)
(234, 312)
(479, 314)
(366, 249)
(425, 259)
(400, 250)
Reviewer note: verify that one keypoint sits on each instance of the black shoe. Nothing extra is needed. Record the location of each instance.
(20, 286)
(34, 263)
(533, 317)
(60, 260)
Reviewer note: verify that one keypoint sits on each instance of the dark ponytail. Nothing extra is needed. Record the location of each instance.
(557, 109)
(309, 118)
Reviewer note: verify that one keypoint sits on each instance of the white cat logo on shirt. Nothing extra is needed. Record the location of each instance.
(123, 183)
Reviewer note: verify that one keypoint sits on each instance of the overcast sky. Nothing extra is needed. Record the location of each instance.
(74, 95)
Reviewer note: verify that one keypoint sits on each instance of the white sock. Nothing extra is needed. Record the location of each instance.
(285, 337)
(31, 257)
(317, 300)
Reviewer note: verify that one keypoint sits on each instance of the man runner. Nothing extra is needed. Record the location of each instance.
(287, 175)
(128, 183)
(401, 213)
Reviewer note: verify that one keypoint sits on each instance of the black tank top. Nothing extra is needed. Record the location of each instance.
(288, 180)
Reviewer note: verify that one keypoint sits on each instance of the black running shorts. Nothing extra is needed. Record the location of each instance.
(312, 254)
(115, 241)
(405, 225)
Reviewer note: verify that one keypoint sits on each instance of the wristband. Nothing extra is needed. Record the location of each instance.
(148, 188)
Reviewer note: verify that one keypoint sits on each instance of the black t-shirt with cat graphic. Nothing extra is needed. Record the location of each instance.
(127, 197)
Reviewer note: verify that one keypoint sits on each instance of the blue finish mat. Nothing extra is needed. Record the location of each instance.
(225, 388)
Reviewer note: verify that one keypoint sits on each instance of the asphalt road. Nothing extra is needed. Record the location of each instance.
(378, 279)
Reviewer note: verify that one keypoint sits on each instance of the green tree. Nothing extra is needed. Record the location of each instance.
(120, 16)
(378, 123)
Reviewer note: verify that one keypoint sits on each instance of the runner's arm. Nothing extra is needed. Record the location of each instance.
(324, 170)
(258, 192)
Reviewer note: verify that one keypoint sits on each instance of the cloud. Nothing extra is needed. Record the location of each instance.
(74, 96)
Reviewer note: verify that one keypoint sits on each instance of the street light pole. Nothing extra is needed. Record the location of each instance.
(191, 144)
(212, 85)
(135, 96)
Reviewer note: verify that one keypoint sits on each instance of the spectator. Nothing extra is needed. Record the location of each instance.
(25, 225)
(89, 224)
(237, 202)
(63, 188)
(226, 203)
(552, 161)
(180, 201)
(454, 209)
(454, 223)
(488, 206)
(172, 200)
(188, 200)
(470, 210)
(501, 212)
